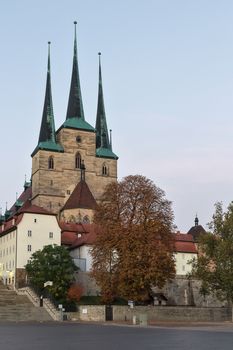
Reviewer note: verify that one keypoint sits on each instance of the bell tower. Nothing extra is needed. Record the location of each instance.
(47, 157)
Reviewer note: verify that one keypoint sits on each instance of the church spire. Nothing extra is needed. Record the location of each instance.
(102, 139)
(103, 145)
(75, 113)
(47, 137)
(47, 129)
(75, 104)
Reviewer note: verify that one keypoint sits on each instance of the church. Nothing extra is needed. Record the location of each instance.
(71, 167)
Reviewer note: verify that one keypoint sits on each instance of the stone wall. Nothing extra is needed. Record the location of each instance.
(171, 313)
(153, 313)
(184, 291)
(94, 313)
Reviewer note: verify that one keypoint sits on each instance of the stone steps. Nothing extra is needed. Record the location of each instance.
(16, 308)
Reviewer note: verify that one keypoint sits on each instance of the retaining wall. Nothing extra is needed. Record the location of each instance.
(154, 313)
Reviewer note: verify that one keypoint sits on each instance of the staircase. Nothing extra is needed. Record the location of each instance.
(18, 308)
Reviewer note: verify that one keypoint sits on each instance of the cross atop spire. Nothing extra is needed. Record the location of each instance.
(103, 144)
(47, 137)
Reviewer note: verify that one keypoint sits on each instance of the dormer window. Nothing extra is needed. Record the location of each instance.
(78, 161)
(51, 163)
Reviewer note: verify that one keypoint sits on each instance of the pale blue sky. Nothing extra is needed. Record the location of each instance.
(168, 83)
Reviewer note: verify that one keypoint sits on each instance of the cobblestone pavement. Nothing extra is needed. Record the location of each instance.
(70, 336)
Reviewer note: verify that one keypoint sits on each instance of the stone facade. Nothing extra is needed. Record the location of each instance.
(52, 187)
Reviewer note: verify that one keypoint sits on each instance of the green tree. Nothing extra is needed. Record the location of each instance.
(214, 265)
(133, 251)
(52, 263)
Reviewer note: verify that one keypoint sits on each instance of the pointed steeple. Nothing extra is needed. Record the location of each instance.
(47, 137)
(103, 144)
(75, 113)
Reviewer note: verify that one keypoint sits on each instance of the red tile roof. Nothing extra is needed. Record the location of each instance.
(183, 237)
(34, 209)
(10, 224)
(81, 197)
(86, 238)
(185, 247)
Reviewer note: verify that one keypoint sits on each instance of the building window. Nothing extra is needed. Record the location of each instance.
(51, 182)
(68, 192)
(50, 234)
(78, 161)
(29, 248)
(86, 219)
(78, 139)
(34, 220)
(51, 163)
(29, 233)
(104, 170)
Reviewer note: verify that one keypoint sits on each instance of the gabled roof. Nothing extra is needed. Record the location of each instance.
(185, 247)
(81, 197)
(184, 243)
(33, 209)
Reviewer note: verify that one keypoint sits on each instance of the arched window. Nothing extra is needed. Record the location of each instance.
(86, 219)
(51, 163)
(104, 170)
(78, 161)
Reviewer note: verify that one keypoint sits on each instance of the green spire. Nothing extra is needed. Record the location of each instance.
(103, 145)
(47, 137)
(75, 113)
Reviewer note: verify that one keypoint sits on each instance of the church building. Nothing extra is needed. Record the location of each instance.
(71, 167)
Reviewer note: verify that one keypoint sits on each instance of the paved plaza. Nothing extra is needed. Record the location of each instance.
(70, 336)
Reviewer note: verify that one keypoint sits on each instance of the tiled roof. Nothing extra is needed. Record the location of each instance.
(67, 237)
(10, 224)
(184, 237)
(86, 238)
(185, 247)
(71, 227)
(81, 197)
(34, 209)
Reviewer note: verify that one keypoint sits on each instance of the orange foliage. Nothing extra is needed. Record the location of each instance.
(75, 292)
(133, 250)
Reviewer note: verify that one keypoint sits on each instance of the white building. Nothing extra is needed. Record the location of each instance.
(21, 235)
(185, 251)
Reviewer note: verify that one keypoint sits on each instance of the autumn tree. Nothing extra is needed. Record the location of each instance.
(52, 263)
(133, 251)
(214, 266)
